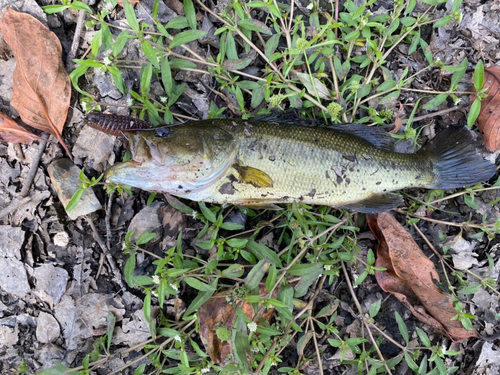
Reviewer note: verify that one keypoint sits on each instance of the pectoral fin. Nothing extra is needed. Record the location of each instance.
(253, 176)
(375, 204)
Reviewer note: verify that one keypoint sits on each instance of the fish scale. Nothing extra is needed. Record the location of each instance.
(319, 166)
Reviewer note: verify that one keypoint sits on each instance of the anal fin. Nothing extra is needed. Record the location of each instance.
(375, 203)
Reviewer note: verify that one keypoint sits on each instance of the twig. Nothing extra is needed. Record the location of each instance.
(263, 362)
(360, 310)
(104, 249)
(14, 206)
(76, 41)
(108, 219)
(34, 166)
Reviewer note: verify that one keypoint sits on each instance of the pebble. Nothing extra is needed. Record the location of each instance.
(64, 176)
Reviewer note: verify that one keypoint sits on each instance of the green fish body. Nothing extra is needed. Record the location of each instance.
(260, 164)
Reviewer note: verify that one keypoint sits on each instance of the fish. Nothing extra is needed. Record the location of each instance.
(262, 164)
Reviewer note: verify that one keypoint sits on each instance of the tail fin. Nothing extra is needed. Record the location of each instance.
(456, 162)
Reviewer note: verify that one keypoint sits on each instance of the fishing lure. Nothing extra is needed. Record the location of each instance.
(116, 124)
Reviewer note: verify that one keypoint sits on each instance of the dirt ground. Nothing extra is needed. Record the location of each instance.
(62, 276)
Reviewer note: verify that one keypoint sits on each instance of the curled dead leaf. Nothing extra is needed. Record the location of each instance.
(217, 312)
(410, 276)
(488, 120)
(13, 133)
(41, 89)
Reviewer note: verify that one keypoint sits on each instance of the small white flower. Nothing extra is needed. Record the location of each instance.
(156, 279)
(252, 326)
(174, 287)
(84, 106)
(177, 338)
(205, 370)
(163, 99)
(310, 6)
(154, 293)
(457, 101)
(328, 267)
(106, 61)
(255, 349)
(130, 101)
(61, 239)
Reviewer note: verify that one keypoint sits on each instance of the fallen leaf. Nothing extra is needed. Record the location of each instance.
(13, 133)
(42, 89)
(316, 86)
(411, 277)
(218, 312)
(488, 120)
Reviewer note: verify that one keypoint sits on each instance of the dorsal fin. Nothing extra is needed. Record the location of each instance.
(377, 137)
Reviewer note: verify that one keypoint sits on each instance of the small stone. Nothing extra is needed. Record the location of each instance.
(47, 329)
(105, 84)
(51, 283)
(8, 335)
(32, 8)
(147, 220)
(11, 240)
(6, 79)
(13, 278)
(95, 146)
(64, 176)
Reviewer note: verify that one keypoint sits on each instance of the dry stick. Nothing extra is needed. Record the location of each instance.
(360, 310)
(108, 219)
(263, 362)
(461, 225)
(110, 259)
(34, 166)
(76, 41)
(14, 206)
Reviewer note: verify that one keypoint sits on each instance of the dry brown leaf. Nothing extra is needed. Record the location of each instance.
(411, 277)
(13, 133)
(488, 120)
(217, 312)
(42, 88)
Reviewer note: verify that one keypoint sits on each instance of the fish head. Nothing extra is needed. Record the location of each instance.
(178, 160)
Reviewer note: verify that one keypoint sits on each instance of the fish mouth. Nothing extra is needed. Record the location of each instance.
(125, 173)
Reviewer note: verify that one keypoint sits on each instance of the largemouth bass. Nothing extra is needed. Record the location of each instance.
(260, 164)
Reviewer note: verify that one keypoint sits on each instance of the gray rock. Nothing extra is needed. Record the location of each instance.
(106, 85)
(11, 240)
(49, 355)
(6, 81)
(32, 8)
(47, 329)
(64, 176)
(96, 147)
(147, 220)
(51, 283)
(8, 335)
(13, 278)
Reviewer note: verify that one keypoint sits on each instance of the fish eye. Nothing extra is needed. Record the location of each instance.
(162, 132)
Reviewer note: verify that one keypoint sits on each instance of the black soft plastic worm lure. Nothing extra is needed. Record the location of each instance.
(116, 124)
